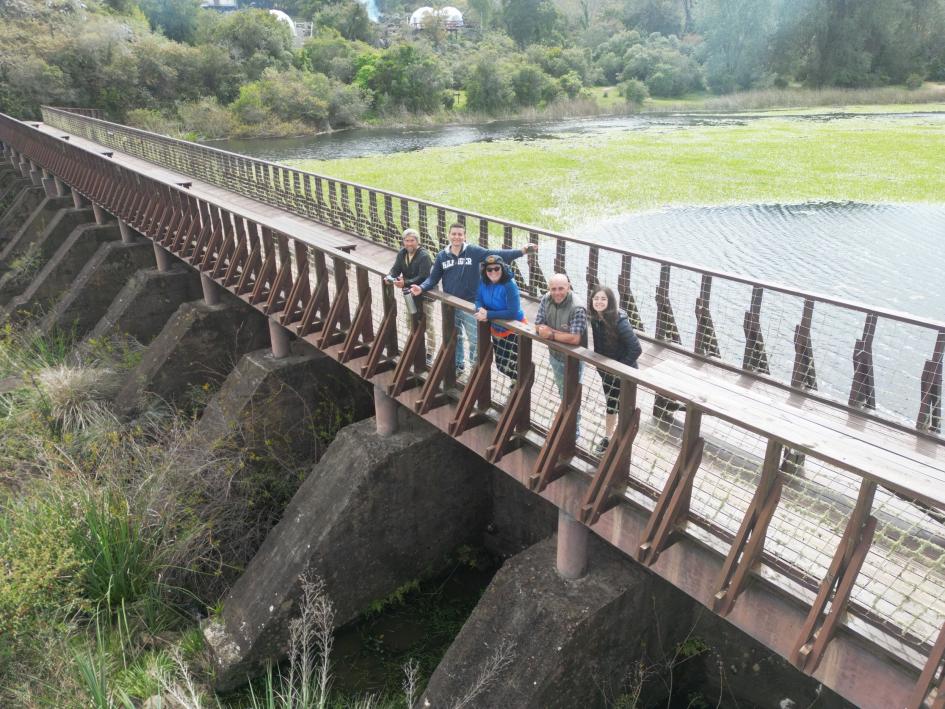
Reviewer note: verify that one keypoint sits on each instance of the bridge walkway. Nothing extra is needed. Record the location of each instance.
(808, 478)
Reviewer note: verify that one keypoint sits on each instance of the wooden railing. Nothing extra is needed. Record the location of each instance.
(878, 362)
(338, 302)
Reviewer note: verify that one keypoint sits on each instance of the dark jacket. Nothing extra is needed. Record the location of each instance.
(625, 348)
(460, 274)
(414, 272)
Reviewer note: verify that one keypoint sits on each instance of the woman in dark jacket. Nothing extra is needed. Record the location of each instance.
(614, 338)
(498, 299)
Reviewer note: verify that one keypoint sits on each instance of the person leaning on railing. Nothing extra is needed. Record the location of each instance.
(412, 266)
(561, 319)
(613, 337)
(498, 299)
(458, 266)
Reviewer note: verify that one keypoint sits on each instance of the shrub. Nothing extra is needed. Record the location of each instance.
(634, 92)
(207, 118)
(914, 81)
(39, 568)
(249, 107)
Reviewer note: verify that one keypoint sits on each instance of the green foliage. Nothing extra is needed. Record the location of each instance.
(349, 18)
(39, 567)
(489, 88)
(406, 76)
(634, 92)
(256, 37)
(396, 598)
(330, 54)
(662, 64)
(531, 21)
(660, 16)
(116, 549)
(176, 19)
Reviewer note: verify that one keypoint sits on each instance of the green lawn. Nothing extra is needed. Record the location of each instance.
(562, 183)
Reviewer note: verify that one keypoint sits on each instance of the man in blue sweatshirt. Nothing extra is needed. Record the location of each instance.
(458, 267)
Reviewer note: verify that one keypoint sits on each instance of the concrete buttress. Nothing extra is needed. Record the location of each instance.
(375, 513)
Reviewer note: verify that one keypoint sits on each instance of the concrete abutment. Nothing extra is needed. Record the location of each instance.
(199, 345)
(375, 513)
(288, 408)
(146, 302)
(92, 291)
(40, 250)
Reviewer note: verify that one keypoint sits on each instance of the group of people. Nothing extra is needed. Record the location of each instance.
(485, 277)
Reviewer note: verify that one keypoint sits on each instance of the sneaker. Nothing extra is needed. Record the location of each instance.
(602, 446)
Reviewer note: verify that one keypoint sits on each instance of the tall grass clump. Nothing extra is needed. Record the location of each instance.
(27, 350)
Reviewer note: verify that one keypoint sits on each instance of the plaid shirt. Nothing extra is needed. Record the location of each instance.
(577, 324)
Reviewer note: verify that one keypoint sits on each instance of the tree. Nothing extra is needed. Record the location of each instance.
(405, 76)
(349, 18)
(737, 36)
(177, 19)
(531, 21)
(489, 86)
(662, 16)
(254, 32)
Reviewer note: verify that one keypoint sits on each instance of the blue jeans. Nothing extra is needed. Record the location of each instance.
(557, 368)
(467, 328)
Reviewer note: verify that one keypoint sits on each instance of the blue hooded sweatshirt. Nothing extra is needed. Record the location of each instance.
(501, 300)
(460, 274)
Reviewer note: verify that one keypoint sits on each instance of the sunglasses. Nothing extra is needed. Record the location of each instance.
(493, 269)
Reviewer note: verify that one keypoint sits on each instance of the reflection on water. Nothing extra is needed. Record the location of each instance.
(381, 141)
(887, 255)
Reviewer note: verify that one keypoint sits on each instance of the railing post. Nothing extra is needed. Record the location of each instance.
(385, 412)
(211, 294)
(278, 340)
(162, 259)
(571, 556)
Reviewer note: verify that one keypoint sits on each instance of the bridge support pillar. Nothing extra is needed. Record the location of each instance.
(385, 412)
(279, 340)
(126, 236)
(211, 292)
(50, 187)
(99, 214)
(162, 258)
(60, 186)
(77, 200)
(571, 559)
(36, 175)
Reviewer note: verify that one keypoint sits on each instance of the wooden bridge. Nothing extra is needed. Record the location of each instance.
(779, 454)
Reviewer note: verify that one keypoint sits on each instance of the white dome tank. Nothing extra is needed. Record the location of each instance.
(421, 16)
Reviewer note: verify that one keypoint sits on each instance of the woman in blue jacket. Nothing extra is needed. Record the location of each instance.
(614, 338)
(498, 299)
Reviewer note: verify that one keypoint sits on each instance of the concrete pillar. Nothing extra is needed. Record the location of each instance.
(98, 213)
(77, 200)
(60, 186)
(161, 258)
(571, 558)
(50, 187)
(279, 340)
(36, 175)
(211, 292)
(126, 235)
(385, 412)
(24, 167)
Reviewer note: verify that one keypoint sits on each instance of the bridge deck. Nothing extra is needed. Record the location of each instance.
(896, 598)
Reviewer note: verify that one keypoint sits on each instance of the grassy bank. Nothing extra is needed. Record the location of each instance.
(562, 183)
